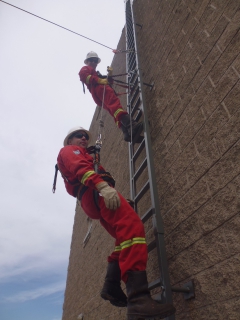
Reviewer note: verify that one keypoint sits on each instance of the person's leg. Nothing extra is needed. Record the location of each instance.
(130, 235)
(112, 290)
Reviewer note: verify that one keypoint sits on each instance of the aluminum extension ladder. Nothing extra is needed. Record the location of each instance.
(142, 145)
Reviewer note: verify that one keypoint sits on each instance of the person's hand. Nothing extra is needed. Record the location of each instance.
(102, 81)
(110, 71)
(110, 195)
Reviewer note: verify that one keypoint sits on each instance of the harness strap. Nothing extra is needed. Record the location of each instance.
(55, 179)
(83, 87)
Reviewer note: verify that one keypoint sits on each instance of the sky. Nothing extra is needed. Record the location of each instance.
(41, 98)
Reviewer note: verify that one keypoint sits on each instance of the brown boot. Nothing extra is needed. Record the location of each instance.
(131, 125)
(140, 304)
(112, 290)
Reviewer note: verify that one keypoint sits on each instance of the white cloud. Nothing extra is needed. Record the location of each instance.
(36, 293)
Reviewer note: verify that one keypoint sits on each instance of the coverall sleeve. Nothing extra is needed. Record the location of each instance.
(80, 166)
(87, 76)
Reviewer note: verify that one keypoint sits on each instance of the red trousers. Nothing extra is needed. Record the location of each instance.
(111, 102)
(126, 227)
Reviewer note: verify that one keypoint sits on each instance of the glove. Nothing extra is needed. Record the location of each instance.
(110, 71)
(110, 195)
(102, 81)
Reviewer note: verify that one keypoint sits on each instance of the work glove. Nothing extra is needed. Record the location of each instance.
(110, 71)
(102, 81)
(110, 195)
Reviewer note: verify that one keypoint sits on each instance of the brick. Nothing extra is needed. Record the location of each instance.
(231, 232)
(217, 119)
(226, 59)
(220, 208)
(225, 170)
(216, 96)
(221, 281)
(232, 98)
(229, 133)
(183, 160)
(179, 267)
(201, 254)
(185, 234)
(232, 28)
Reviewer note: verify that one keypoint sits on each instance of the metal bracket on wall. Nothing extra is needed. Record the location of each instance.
(139, 25)
(187, 289)
(149, 85)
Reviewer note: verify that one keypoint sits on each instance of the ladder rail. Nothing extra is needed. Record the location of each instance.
(164, 281)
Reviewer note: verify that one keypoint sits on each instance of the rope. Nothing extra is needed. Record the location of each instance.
(101, 123)
(58, 25)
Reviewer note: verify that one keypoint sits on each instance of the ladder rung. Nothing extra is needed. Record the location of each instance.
(142, 192)
(142, 166)
(135, 82)
(131, 59)
(154, 284)
(147, 215)
(136, 106)
(136, 93)
(139, 150)
(132, 65)
(152, 245)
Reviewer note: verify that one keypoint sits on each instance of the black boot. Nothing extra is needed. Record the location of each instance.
(129, 124)
(140, 304)
(112, 290)
(126, 136)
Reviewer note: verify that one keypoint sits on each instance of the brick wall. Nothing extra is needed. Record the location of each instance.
(190, 50)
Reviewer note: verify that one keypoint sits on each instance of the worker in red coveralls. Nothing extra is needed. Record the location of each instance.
(129, 258)
(108, 99)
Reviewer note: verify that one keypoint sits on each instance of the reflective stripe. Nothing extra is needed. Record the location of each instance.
(86, 176)
(131, 242)
(87, 79)
(118, 248)
(117, 112)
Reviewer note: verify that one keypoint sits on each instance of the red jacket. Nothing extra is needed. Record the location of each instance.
(89, 76)
(77, 166)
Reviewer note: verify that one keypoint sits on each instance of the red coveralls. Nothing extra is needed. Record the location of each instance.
(123, 224)
(111, 102)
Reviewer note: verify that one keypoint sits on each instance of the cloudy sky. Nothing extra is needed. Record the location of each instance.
(41, 98)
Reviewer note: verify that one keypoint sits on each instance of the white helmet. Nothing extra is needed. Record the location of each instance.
(71, 131)
(92, 54)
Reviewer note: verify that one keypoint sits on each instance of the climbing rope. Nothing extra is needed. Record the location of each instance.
(58, 25)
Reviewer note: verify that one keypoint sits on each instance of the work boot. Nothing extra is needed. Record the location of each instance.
(127, 122)
(126, 136)
(140, 304)
(112, 290)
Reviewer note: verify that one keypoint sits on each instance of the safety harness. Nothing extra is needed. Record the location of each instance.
(130, 88)
(80, 188)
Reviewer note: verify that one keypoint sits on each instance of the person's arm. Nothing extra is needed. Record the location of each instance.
(79, 166)
(89, 77)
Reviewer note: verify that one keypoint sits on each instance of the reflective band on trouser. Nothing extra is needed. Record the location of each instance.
(131, 242)
(117, 248)
(87, 79)
(117, 112)
(86, 176)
